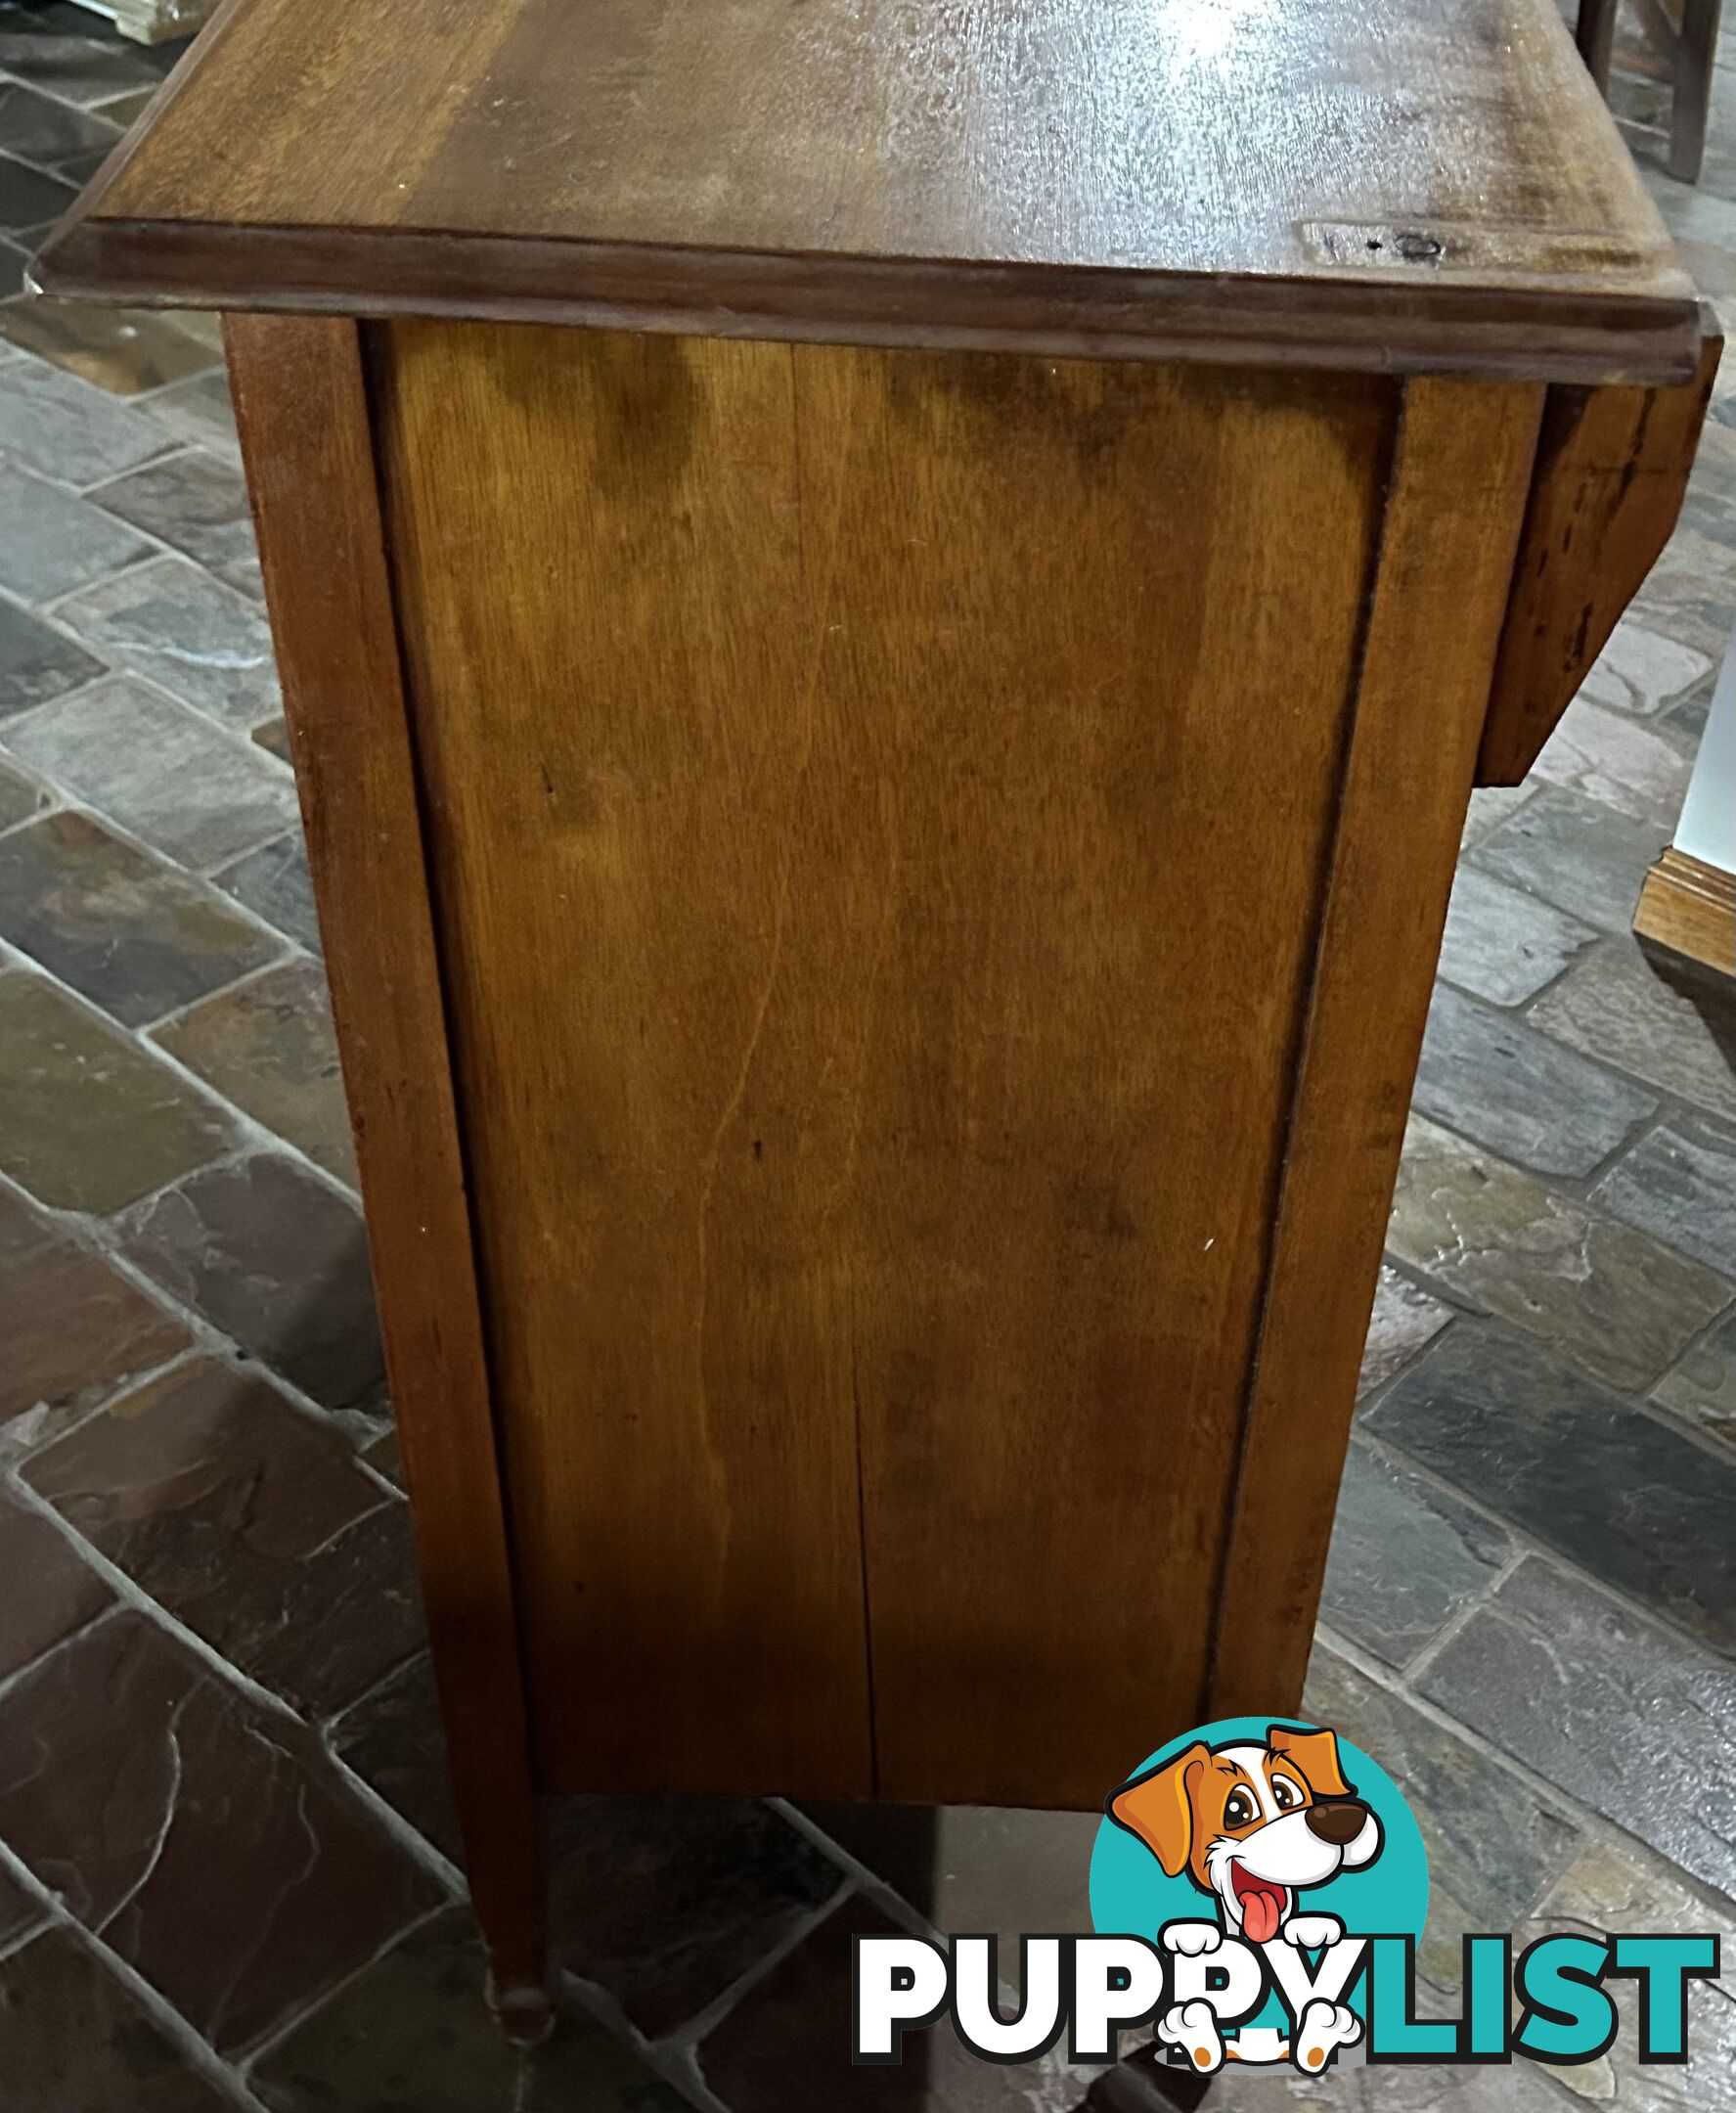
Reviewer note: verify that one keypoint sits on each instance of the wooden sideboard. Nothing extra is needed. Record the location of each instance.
(888, 614)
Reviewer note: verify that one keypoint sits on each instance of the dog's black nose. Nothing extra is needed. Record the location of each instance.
(1338, 1823)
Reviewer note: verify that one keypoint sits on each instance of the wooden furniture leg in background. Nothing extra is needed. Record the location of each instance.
(301, 406)
(1696, 47)
(1596, 36)
(1687, 31)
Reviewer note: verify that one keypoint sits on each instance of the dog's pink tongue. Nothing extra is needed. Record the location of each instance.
(1260, 1914)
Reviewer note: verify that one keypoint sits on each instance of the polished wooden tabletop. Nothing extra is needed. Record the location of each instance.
(1372, 183)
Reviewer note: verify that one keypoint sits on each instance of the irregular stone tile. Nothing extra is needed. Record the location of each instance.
(1687, 722)
(126, 108)
(68, 2027)
(1678, 1184)
(1606, 1296)
(275, 885)
(412, 2035)
(1702, 1389)
(47, 132)
(51, 1591)
(202, 1839)
(274, 736)
(173, 623)
(59, 426)
(28, 198)
(76, 68)
(78, 169)
(21, 797)
(1684, 594)
(1516, 2088)
(1491, 806)
(19, 1910)
(1607, 1889)
(1629, 1718)
(1656, 1015)
(51, 542)
(665, 1901)
(193, 499)
(1405, 1319)
(251, 1524)
(268, 1047)
(1643, 671)
(785, 2046)
(88, 1121)
(162, 772)
(1609, 757)
(1492, 1846)
(386, 1457)
(38, 662)
(1520, 1094)
(974, 1866)
(1405, 1556)
(1623, 1495)
(1502, 945)
(1577, 853)
(199, 411)
(393, 1740)
(275, 1260)
(135, 936)
(204, 324)
(74, 1328)
(123, 350)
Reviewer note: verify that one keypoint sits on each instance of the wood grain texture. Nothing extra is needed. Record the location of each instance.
(1612, 470)
(303, 418)
(874, 1135)
(1689, 906)
(1456, 499)
(1374, 183)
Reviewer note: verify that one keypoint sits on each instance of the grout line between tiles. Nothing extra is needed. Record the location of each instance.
(675, 2061)
(253, 1138)
(197, 2052)
(263, 2049)
(1527, 1542)
(867, 1881)
(1593, 1826)
(692, 2032)
(305, 1734)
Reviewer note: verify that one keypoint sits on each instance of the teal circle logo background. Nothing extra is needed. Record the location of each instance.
(1132, 1896)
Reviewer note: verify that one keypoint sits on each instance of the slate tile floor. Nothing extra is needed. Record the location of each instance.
(228, 1870)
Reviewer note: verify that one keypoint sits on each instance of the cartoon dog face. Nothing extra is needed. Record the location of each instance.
(1252, 1825)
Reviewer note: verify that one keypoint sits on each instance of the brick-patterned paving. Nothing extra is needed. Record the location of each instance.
(228, 1867)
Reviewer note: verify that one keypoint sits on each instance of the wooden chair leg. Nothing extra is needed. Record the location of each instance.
(1596, 36)
(1694, 52)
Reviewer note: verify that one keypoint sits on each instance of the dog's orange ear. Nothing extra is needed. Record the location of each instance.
(1316, 1754)
(1159, 1809)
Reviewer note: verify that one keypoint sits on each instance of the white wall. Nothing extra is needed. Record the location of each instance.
(1707, 830)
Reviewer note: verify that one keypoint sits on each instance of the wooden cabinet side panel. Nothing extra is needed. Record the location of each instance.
(1460, 477)
(873, 1098)
(602, 575)
(302, 410)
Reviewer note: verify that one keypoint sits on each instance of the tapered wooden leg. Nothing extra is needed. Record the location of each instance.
(1691, 103)
(303, 409)
(1596, 36)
